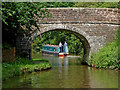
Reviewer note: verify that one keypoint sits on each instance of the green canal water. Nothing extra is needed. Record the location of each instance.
(65, 73)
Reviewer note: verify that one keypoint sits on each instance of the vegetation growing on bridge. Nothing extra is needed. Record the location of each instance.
(82, 4)
(97, 4)
(15, 14)
(108, 56)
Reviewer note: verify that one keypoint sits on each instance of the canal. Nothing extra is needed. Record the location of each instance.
(65, 73)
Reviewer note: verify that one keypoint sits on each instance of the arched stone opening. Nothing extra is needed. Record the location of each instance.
(84, 38)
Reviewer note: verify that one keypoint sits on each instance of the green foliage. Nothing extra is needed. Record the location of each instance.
(6, 46)
(54, 37)
(108, 56)
(15, 14)
(16, 68)
(117, 37)
(118, 42)
(57, 4)
(119, 5)
(97, 4)
(41, 60)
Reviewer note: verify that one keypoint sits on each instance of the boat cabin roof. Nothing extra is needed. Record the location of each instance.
(51, 45)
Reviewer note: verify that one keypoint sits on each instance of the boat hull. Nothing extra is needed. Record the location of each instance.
(54, 53)
(63, 54)
(49, 53)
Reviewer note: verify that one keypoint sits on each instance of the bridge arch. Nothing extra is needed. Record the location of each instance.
(94, 32)
(83, 36)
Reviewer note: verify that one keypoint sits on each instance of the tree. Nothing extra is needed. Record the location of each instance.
(15, 15)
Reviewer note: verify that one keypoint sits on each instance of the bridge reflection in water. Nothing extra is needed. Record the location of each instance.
(66, 73)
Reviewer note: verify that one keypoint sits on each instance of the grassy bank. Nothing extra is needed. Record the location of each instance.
(107, 57)
(21, 66)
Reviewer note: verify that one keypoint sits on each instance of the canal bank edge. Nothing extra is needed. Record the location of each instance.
(22, 66)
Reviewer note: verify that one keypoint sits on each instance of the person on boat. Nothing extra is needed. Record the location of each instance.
(60, 46)
(66, 48)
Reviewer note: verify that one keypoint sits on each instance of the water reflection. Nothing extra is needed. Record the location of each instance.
(66, 73)
(63, 61)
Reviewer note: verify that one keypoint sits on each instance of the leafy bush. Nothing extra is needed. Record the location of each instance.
(108, 57)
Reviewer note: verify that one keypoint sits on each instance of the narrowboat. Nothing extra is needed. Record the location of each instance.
(53, 50)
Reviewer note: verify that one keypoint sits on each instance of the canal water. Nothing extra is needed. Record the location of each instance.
(65, 73)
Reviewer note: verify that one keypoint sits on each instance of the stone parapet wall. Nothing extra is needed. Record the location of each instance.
(82, 15)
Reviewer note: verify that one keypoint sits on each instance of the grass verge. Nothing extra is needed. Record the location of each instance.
(21, 66)
(107, 57)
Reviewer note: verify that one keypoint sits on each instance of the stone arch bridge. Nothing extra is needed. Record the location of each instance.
(93, 26)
